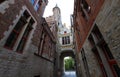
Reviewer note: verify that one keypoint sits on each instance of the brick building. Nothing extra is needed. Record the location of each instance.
(23, 52)
(97, 34)
(54, 22)
(52, 25)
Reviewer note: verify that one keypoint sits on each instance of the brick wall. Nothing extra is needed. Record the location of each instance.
(82, 24)
(27, 64)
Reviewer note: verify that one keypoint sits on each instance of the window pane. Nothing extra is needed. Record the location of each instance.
(26, 14)
(25, 36)
(68, 39)
(107, 50)
(11, 40)
(19, 25)
(90, 38)
(32, 1)
(117, 70)
(97, 33)
(63, 40)
(36, 7)
(32, 21)
(21, 46)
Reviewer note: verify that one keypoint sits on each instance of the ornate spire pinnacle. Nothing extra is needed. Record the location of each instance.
(56, 5)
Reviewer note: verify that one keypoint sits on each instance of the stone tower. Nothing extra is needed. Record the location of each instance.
(57, 15)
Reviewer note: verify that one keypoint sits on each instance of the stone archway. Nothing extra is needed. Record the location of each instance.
(64, 54)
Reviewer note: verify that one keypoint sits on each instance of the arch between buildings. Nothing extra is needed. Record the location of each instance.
(64, 54)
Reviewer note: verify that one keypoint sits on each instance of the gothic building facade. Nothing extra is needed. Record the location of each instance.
(54, 22)
(27, 45)
(64, 38)
(97, 34)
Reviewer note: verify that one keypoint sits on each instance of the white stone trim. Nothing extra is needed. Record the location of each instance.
(5, 5)
(31, 33)
(7, 33)
(30, 37)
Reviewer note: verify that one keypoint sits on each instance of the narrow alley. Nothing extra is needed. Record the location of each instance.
(59, 38)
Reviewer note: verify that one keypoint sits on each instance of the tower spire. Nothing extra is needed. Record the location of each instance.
(56, 5)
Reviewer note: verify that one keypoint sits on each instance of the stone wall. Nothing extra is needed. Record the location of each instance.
(24, 65)
(93, 65)
(108, 22)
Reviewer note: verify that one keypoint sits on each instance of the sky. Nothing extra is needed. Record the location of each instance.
(66, 7)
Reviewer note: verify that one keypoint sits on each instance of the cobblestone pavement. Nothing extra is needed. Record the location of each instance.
(69, 74)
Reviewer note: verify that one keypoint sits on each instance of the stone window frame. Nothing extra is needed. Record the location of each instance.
(44, 37)
(85, 63)
(103, 53)
(41, 43)
(95, 51)
(25, 36)
(51, 47)
(85, 9)
(5, 4)
(14, 34)
(65, 40)
(7, 33)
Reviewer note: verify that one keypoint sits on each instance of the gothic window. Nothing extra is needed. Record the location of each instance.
(86, 6)
(36, 4)
(15, 33)
(41, 43)
(85, 9)
(97, 41)
(19, 30)
(25, 35)
(112, 62)
(66, 40)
